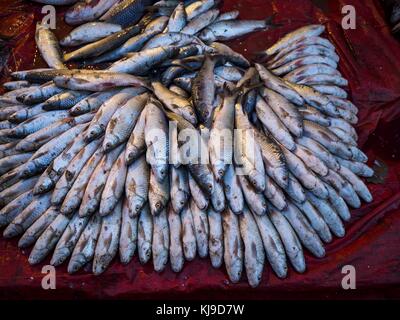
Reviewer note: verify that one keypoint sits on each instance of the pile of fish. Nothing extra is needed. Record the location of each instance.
(176, 145)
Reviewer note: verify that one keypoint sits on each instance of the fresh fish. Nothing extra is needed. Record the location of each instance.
(48, 240)
(136, 144)
(100, 46)
(88, 10)
(178, 19)
(188, 234)
(254, 255)
(273, 124)
(275, 83)
(86, 245)
(92, 102)
(215, 239)
(48, 47)
(179, 188)
(107, 243)
(171, 38)
(126, 12)
(233, 247)
(114, 187)
(229, 15)
(74, 196)
(42, 93)
(103, 116)
(145, 235)
(228, 54)
(289, 239)
(54, 171)
(290, 38)
(129, 234)
(316, 50)
(201, 229)
(68, 240)
(158, 194)
(28, 216)
(256, 201)
(304, 61)
(200, 22)
(161, 241)
(198, 7)
(93, 192)
(70, 174)
(156, 137)
(49, 151)
(176, 247)
(287, 112)
(197, 193)
(139, 63)
(175, 102)
(134, 44)
(33, 233)
(230, 29)
(89, 32)
(123, 121)
(274, 159)
(203, 91)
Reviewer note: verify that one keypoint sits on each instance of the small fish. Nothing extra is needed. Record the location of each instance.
(178, 19)
(48, 47)
(126, 12)
(230, 29)
(288, 39)
(100, 46)
(87, 10)
(89, 32)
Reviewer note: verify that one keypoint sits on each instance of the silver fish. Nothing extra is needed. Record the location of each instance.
(48, 47)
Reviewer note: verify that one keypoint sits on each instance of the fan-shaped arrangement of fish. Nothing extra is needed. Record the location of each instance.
(176, 145)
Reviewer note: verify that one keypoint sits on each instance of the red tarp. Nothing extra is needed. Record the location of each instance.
(370, 60)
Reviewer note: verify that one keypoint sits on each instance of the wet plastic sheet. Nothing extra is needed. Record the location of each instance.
(370, 60)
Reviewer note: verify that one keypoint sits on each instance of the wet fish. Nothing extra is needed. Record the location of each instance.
(89, 32)
(48, 47)
(100, 46)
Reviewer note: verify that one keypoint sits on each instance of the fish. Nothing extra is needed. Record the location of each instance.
(49, 47)
(200, 22)
(157, 140)
(99, 82)
(68, 240)
(176, 246)
(139, 63)
(136, 144)
(179, 188)
(107, 242)
(230, 29)
(161, 241)
(123, 121)
(89, 32)
(203, 91)
(129, 234)
(290, 38)
(88, 10)
(100, 46)
(114, 187)
(178, 18)
(233, 247)
(275, 83)
(174, 102)
(86, 245)
(126, 12)
(95, 186)
(254, 255)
